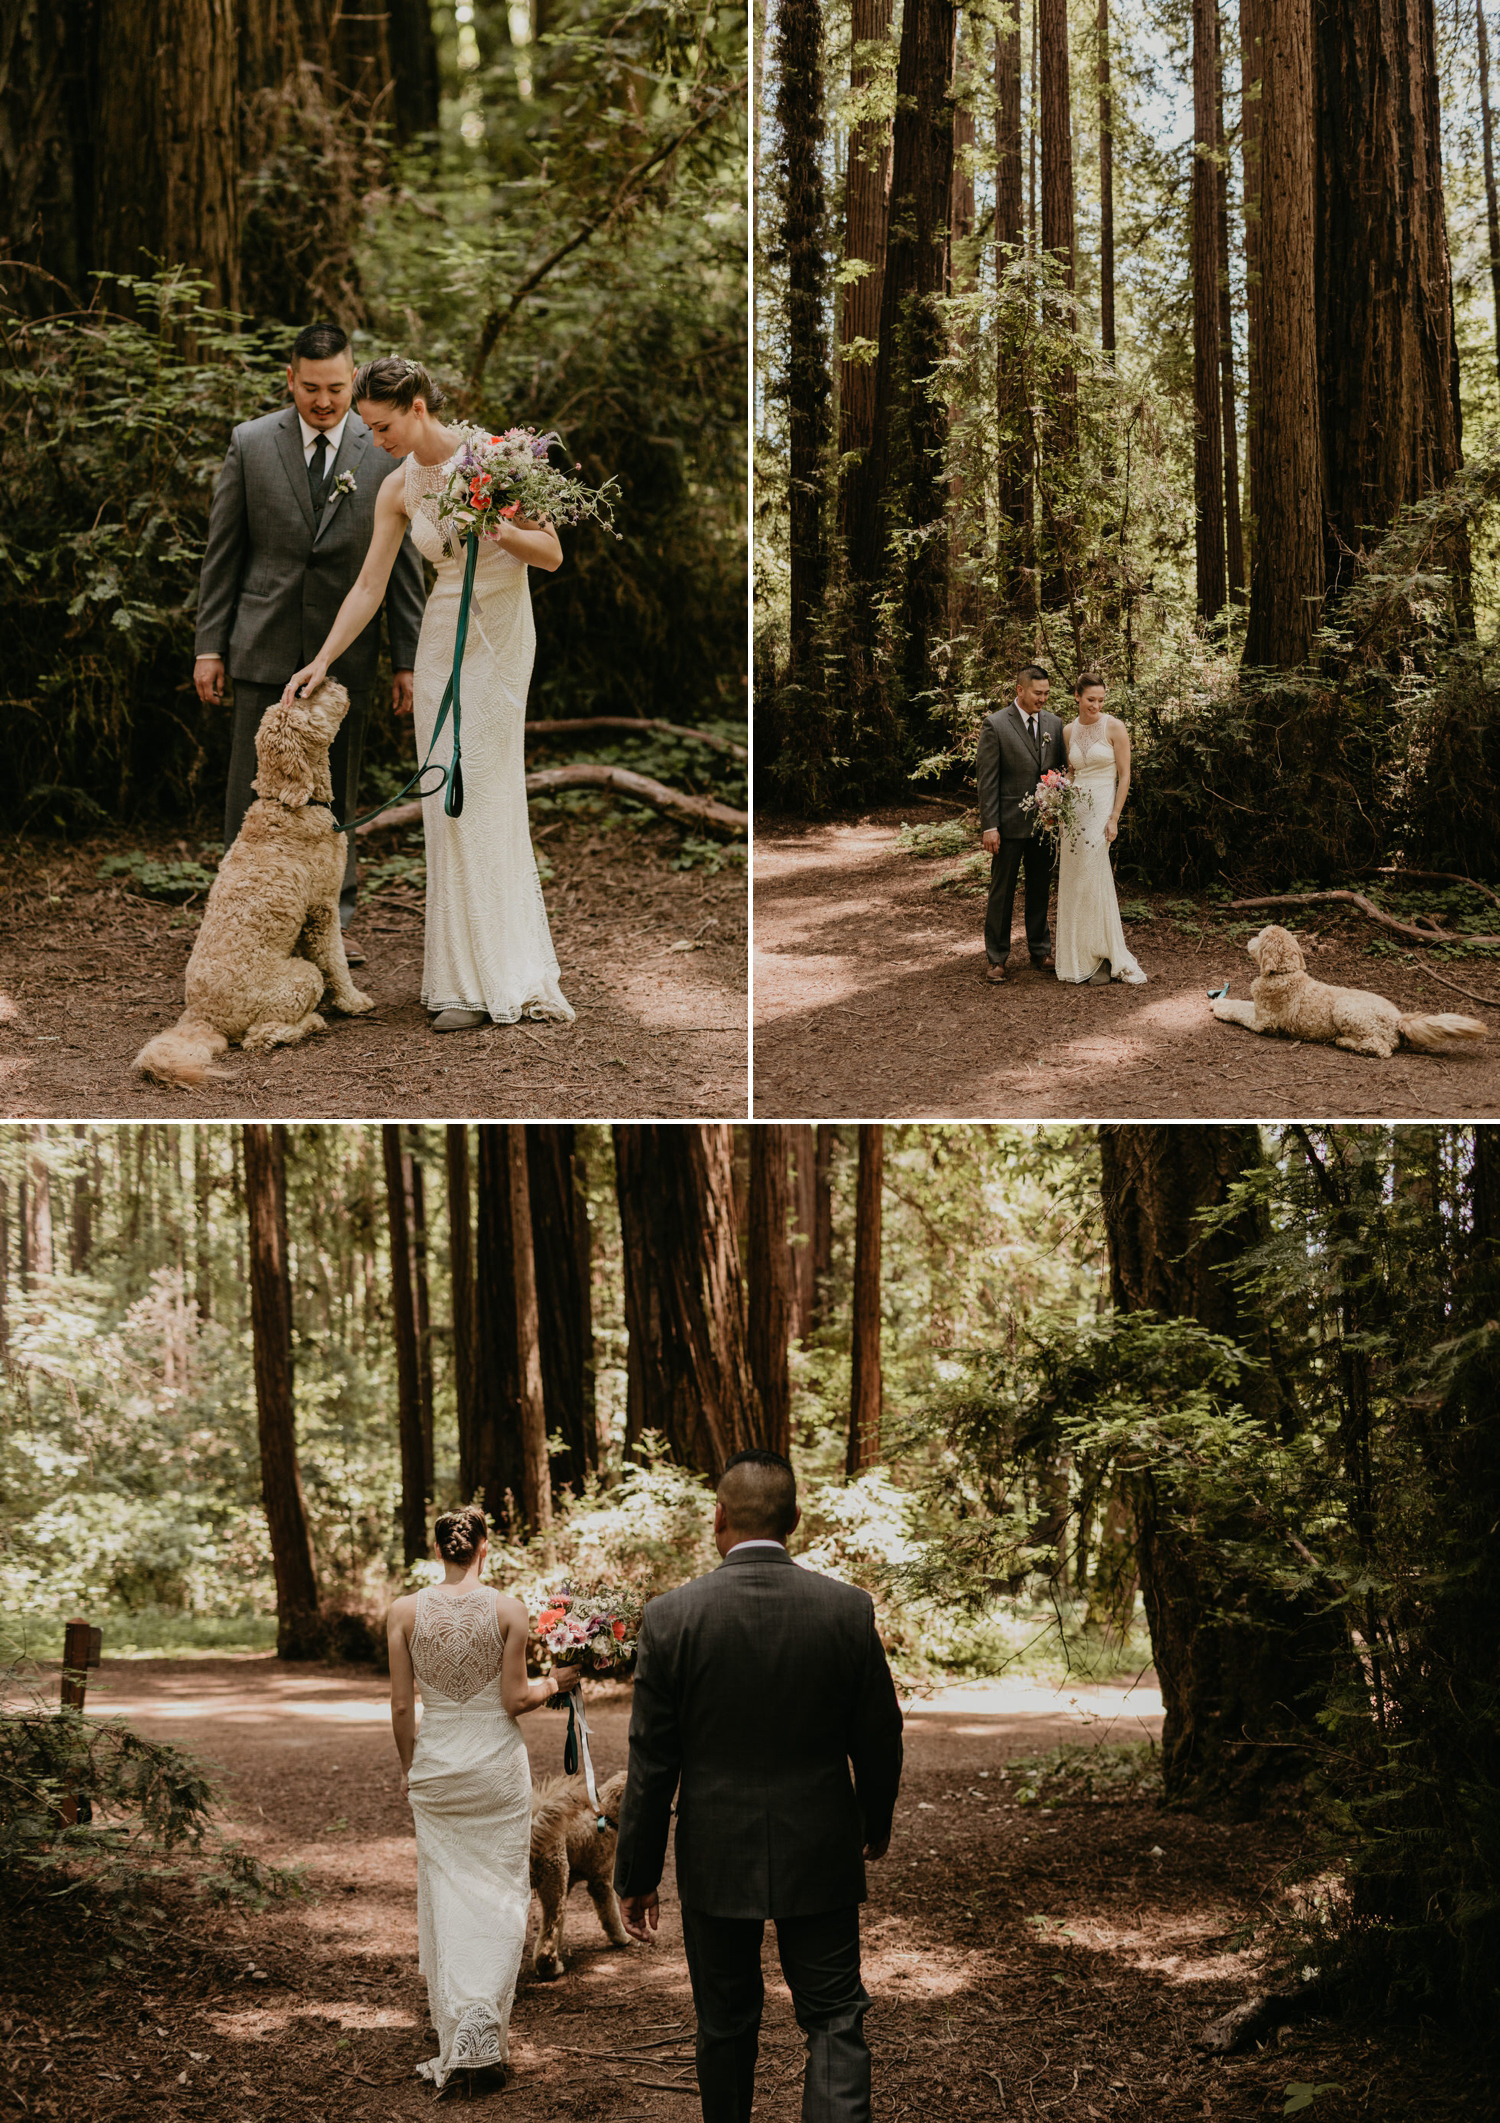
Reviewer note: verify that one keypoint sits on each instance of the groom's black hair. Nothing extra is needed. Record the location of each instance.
(320, 342)
(763, 1501)
(1034, 670)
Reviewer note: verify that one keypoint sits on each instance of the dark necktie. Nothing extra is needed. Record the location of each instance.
(316, 468)
(1031, 730)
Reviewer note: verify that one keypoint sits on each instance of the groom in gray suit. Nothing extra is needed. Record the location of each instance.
(757, 1688)
(1018, 744)
(287, 535)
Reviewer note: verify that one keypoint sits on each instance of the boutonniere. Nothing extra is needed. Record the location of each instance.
(346, 483)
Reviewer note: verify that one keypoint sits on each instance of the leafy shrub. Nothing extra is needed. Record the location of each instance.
(1074, 1770)
(158, 880)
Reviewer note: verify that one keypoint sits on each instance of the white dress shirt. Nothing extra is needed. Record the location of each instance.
(1028, 716)
(756, 1544)
(310, 435)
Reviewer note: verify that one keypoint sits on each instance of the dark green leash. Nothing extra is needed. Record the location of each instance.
(576, 1748)
(453, 773)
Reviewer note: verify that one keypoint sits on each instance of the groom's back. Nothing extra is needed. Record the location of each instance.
(760, 1684)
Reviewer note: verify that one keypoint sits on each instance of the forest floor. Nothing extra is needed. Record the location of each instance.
(1041, 1962)
(871, 1001)
(652, 958)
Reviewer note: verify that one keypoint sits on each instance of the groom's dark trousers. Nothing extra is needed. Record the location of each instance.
(1006, 864)
(758, 1689)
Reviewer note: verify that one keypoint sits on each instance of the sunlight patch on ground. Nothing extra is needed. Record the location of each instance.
(256, 2023)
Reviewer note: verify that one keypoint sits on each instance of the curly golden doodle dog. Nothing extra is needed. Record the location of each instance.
(568, 1845)
(270, 947)
(1285, 998)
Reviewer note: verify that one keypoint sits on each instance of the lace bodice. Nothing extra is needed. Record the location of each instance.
(1090, 748)
(434, 539)
(456, 1645)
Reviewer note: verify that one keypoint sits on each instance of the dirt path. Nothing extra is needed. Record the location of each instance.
(653, 961)
(1022, 1963)
(870, 1001)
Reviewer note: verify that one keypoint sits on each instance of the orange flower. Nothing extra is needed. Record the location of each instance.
(514, 509)
(619, 1630)
(549, 1618)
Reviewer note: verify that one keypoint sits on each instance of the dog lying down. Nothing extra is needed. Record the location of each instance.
(270, 948)
(568, 1845)
(1285, 998)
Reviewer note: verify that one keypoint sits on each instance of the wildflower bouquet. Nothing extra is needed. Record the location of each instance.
(592, 1625)
(509, 475)
(1054, 804)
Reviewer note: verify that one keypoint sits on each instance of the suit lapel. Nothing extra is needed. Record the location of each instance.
(289, 449)
(351, 450)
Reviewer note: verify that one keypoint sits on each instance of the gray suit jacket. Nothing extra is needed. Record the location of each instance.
(274, 575)
(1009, 768)
(756, 1688)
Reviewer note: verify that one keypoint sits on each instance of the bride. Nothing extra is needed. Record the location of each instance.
(489, 955)
(1090, 940)
(467, 1777)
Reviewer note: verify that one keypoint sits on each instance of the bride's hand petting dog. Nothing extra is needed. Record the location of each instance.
(1286, 998)
(270, 947)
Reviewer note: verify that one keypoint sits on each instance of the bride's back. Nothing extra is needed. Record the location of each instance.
(457, 1645)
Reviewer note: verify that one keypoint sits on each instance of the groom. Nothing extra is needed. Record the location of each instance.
(1017, 746)
(757, 1687)
(287, 535)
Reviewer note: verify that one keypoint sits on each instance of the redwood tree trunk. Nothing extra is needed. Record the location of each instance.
(560, 1237)
(416, 1186)
(39, 1205)
(867, 183)
(1387, 361)
(1234, 537)
(1233, 1658)
(298, 1629)
(1106, 192)
(497, 1470)
(688, 1370)
(823, 1217)
(1492, 206)
(1208, 429)
(1251, 67)
(461, 1283)
(81, 1235)
(536, 1473)
(804, 1221)
(404, 1327)
(1010, 230)
(1286, 584)
(770, 1282)
(799, 116)
(864, 1383)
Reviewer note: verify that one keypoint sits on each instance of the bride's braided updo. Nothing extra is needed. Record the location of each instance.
(457, 1534)
(393, 380)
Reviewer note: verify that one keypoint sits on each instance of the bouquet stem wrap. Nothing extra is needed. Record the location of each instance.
(576, 1749)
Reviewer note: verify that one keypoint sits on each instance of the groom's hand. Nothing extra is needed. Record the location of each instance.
(878, 1850)
(208, 679)
(401, 693)
(989, 840)
(640, 1914)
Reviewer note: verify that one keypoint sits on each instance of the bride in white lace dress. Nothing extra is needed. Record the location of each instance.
(1090, 943)
(489, 955)
(467, 1777)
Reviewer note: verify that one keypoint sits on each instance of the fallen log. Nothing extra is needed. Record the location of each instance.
(1431, 877)
(1259, 2016)
(1367, 907)
(632, 725)
(693, 810)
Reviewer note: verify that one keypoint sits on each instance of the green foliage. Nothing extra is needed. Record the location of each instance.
(1081, 1771)
(159, 880)
(1301, 2094)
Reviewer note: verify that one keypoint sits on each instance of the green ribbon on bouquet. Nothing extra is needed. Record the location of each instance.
(453, 773)
(576, 1749)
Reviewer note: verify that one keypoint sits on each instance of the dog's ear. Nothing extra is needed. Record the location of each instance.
(1280, 953)
(330, 703)
(281, 753)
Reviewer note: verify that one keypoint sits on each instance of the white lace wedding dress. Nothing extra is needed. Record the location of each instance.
(1088, 913)
(470, 1791)
(488, 946)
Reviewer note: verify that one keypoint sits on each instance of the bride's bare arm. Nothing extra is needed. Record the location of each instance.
(363, 601)
(1119, 738)
(403, 1682)
(517, 1693)
(535, 543)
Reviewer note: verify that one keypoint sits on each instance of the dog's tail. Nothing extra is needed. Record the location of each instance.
(183, 1057)
(1442, 1033)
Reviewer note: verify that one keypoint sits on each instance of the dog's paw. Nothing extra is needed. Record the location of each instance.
(548, 1967)
(354, 1004)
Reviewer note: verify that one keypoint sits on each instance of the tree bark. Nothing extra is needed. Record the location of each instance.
(805, 387)
(1106, 191)
(688, 1369)
(39, 1205)
(822, 1247)
(404, 1327)
(1387, 359)
(461, 1283)
(1234, 536)
(867, 185)
(865, 1382)
(417, 1197)
(899, 478)
(299, 1633)
(1058, 231)
(1010, 231)
(497, 1471)
(560, 1237)
(1491, 204)
(1233, 1659)
(770, 1282)
(203, 1194)
(804, 1222)
(1251, 113)
(81, 1234)
(1208, 429)
(536, 1470)
(1286, 584)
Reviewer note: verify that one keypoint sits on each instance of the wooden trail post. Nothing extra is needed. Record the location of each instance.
(82, 1647)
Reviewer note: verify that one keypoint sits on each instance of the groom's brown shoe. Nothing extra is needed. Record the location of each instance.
(995, 975)
(1044, 965)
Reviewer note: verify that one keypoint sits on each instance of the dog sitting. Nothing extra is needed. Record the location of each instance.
(1285, 998)
(568, 1845)
(270, 946)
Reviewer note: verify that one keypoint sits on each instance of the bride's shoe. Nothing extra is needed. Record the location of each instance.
(1101, 975)
(459, 1020)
